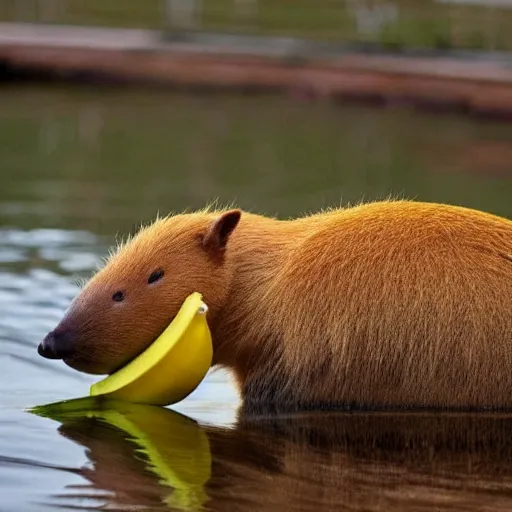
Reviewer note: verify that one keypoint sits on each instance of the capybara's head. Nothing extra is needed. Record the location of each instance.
(132, 299)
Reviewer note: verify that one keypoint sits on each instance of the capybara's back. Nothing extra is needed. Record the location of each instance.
(395, 304)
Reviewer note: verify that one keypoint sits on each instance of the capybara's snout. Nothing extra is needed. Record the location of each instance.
(57, 344)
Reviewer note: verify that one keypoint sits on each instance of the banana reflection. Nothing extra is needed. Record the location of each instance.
(312, 462)
(173, 447)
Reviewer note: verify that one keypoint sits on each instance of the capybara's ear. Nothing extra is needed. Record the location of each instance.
(218, 233)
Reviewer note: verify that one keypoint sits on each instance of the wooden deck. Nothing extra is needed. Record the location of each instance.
(469, 82)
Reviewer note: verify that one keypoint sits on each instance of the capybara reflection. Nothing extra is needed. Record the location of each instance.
(309, 463)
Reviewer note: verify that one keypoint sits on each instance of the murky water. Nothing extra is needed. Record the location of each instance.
(78, 167)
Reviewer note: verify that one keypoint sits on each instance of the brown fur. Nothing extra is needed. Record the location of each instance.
(386, 304)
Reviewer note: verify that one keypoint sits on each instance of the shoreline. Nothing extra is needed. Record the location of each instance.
(471, 83)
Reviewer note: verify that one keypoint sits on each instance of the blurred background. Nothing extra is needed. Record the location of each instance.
(112, 111)
(284, 107)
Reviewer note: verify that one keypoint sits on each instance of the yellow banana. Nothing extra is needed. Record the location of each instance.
(171, 367)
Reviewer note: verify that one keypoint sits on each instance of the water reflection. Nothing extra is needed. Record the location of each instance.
(154, 458)
(142, 456)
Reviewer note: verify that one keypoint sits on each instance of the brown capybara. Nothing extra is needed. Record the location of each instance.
(381, 305)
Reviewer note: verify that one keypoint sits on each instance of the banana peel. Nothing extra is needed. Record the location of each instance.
(171, 367)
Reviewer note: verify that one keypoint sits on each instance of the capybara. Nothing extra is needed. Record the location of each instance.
(387, 304)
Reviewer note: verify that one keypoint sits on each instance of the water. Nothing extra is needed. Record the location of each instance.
(79, 167)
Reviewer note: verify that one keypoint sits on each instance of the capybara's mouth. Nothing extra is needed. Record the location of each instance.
(132, 358)
(83, 365)
(87, 365)
(127, 362)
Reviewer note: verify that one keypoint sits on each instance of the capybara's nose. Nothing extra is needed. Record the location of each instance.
(56, 345)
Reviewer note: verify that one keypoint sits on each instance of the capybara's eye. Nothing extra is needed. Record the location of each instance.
(156, 275)
(118, 296)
